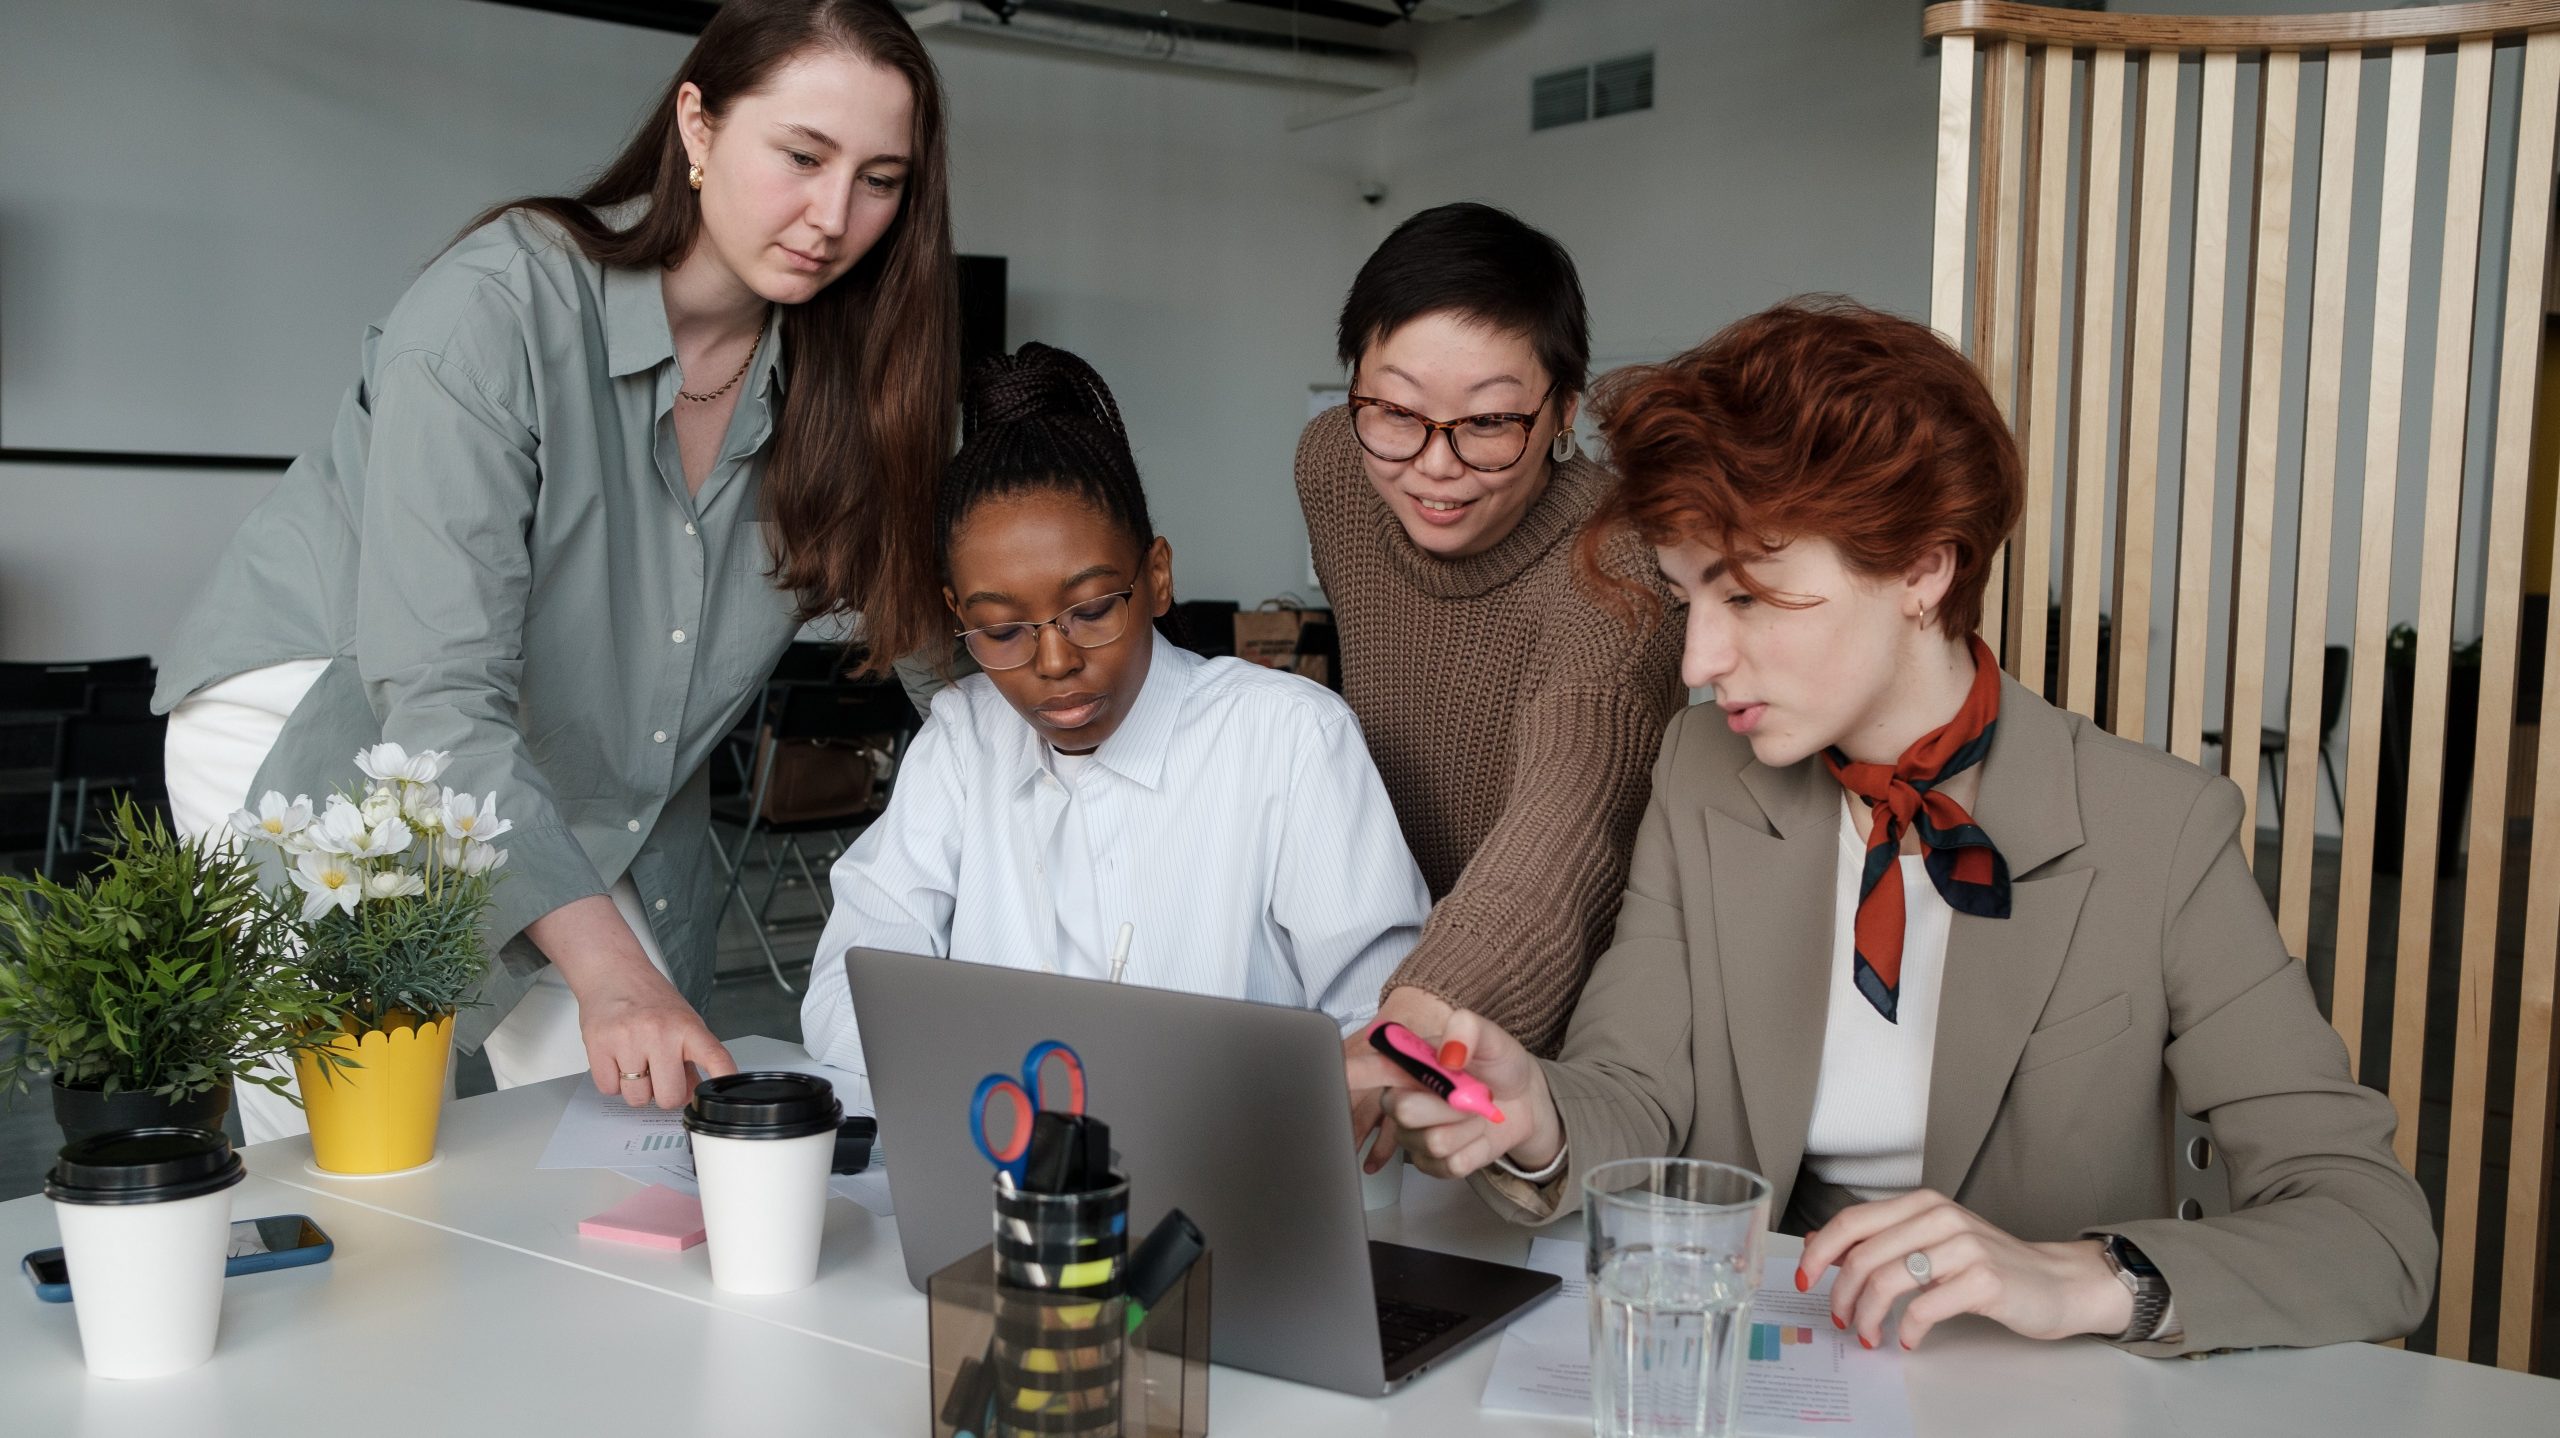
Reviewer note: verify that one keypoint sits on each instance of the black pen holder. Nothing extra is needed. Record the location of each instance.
(1031, 1335)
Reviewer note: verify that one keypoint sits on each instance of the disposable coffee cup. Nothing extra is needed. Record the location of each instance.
(145, 1215)
(762, 1146)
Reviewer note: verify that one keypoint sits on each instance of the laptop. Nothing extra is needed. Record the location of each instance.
(1234, 1112)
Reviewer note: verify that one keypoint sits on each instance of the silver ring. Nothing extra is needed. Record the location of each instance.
(1917, 1265)
(642, 1075)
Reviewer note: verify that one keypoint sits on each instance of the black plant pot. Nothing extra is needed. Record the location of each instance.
(84, 1111)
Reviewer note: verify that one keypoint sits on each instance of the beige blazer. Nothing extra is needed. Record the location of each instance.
(2139, 971)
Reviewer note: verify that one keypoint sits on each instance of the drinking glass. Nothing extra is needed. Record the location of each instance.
(1673, 1255)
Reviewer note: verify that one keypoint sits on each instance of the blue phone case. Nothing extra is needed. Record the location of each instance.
(244, 1263)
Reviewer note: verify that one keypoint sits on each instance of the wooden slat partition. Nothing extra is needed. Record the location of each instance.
(1955, 139)
(2093, 375)
(2261, 410)
(2040, 361)
(2529, 1142)
(2447, 433)
(2327, 364)
(2217, 99)
(2519, 346)
(2155, 135)
(2001, 162)
(2373, 556)
(2002, 226)
(2443, 480)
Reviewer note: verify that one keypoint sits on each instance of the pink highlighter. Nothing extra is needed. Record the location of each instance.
(1464, 1093)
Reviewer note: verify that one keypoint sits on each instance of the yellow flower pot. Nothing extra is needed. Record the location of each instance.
(379, 1118)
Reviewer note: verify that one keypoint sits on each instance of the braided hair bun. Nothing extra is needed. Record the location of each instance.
(1041, 418)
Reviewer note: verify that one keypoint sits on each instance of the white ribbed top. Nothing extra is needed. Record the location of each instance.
(1871, 1103)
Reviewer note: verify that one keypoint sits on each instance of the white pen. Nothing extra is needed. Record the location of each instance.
(1120, 950)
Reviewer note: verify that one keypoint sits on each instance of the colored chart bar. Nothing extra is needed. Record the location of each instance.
(1769, 1339)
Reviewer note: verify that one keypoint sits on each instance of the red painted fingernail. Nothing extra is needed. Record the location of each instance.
(1801, 1285)
(1836, 1323)
(1863, 1343)
(1453, 1055)
(1906, 1345)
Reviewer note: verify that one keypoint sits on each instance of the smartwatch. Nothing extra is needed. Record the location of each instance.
(2143, 1280)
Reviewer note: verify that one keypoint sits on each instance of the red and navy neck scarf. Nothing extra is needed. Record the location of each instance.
(1961, 859)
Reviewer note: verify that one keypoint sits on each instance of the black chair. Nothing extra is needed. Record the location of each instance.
(112, 744)
(92, 725)
(850, 715)
(2272, 741)
(803, 662)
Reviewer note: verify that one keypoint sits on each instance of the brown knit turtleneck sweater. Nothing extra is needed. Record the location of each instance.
(1514, 718)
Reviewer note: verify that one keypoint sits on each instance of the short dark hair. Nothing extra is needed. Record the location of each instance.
(1042, 419)
(1482, 263)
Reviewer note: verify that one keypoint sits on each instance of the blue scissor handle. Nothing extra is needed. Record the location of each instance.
(1013, 1155)
(1037, 1058)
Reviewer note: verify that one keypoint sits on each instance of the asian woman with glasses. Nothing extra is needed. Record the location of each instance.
(1512, 715)
(1099, 802)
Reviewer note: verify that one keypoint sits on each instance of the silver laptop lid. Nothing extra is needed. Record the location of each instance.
(1234, 1112)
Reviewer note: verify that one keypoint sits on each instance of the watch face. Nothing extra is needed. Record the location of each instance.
(2134, 1260)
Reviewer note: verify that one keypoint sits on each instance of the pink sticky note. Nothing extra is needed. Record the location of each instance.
(655, 1217)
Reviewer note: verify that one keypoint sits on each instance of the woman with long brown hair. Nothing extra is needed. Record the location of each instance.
(602, 459)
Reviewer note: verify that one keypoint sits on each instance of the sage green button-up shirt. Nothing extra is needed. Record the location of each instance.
(497, 554)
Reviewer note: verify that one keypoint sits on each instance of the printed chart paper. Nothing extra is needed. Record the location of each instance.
(648, 1144)
(1800, 1376)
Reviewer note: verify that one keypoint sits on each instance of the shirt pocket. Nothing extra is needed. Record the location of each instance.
(2077, 1034)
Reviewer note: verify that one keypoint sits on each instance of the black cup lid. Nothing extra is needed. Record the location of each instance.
(143, 1165)
(773, 1104)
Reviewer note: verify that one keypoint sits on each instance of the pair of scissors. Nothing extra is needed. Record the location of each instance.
(1030, 1095)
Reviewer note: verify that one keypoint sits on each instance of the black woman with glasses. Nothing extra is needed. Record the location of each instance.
(1098, 802)
(1513, 716)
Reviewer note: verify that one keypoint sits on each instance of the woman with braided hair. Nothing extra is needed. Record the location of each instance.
(1099, 802)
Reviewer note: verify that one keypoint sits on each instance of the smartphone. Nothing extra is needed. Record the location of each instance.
(257, 1244)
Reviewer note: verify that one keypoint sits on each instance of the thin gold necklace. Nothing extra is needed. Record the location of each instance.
(710, 395)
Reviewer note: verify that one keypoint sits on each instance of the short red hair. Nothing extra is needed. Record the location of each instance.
(1819, 417)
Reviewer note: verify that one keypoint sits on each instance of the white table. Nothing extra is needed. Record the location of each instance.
(474, 1270)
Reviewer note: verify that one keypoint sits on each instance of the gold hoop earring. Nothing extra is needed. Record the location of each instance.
(693, 175)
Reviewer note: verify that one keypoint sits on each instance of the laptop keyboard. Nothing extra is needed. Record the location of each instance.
(1403, 1328)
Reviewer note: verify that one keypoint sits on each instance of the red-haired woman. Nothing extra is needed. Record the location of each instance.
(1938, 959)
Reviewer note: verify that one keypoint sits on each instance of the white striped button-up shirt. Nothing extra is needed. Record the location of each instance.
(1234, 822)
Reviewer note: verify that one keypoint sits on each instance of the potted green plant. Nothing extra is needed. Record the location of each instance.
(147, 985)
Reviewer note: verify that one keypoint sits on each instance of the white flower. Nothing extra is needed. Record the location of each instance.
(387, 761)
(423, 806)
(276, 821)
(327, 881)
(466, 817)
(394, 884)
(340, 829)
(383, 840)
(380, 806)
(479, 858)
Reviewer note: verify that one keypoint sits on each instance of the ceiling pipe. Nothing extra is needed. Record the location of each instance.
(1135, 38)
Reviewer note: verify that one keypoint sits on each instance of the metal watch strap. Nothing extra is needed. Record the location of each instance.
(2150, 1292)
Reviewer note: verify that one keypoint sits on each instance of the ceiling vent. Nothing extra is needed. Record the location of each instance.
(1591, 92)
(1560, 98)
(1622, 87)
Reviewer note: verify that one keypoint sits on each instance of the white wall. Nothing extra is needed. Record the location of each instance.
(203, 201)
(1792, 149)
(1168, 226)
